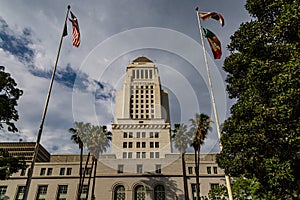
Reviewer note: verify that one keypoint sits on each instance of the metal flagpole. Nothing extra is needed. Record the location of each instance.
(37, 144)
(227, 178)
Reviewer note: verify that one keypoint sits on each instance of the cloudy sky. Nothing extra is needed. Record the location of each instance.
(113, 34)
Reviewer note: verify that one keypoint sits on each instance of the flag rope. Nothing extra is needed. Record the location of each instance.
(227, 178)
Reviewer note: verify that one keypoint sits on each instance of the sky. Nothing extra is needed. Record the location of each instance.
(113, 34)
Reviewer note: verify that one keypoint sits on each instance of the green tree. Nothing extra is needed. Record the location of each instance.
(261, 138)
(182, 140)
(199, 127)
(97, 140)
(10, 165)
(9, 96)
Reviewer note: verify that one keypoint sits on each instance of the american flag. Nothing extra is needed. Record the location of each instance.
(75, 32)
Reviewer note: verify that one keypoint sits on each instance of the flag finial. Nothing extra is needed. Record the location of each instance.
(196, 8)
(69, 7)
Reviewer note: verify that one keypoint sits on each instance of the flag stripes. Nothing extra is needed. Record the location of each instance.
(75, 30)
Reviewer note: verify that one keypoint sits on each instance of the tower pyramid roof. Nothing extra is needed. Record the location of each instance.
(142, 59)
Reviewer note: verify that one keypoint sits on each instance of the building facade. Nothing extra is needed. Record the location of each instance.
(141, 165)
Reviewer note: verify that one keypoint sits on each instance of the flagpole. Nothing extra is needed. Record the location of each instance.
(227, 178)
(37, 144)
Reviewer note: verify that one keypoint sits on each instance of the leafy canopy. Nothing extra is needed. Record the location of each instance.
(9, 95)
(261, 139)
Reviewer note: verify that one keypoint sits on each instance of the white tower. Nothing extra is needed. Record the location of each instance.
(141, 128)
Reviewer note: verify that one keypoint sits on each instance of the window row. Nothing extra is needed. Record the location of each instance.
(142, 73)
(140, 135)
(194, 189)
(141, 101)
(48, 171)
(142, 106)
(62, 191)
(141, 116)
(139, 169)
(208, 170)
(142, 87)
(119, 192)
(140, 155)
(142, 96)
(142, 91)
(140, 144)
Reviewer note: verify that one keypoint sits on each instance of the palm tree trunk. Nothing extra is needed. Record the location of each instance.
(198, 160)
(90, 176)
(197, 174)
(185, 186)
(80, 172)
(94, 180)
(83, 176)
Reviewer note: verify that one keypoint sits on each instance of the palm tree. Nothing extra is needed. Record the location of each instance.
(200, 126)
(96, 139)
(182, 139)
(76, 132)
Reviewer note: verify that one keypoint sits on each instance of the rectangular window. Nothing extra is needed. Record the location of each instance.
(130, 135)
(133, 73)
(43, 171)
(129, 144)
(151, 134)
(88, 171)
(156, 135)
(120, 169)
(151, 154)
(124, 144)
(3, 189)
(146, 74)
(142, 73)
(124, 154)
(214, 185)
(158, 168)
(62, 171)
(49, 171)
(125, 135)
(23, 172)
(137, 74)
(62, 192)
(190, 170)
(84, 192)
(151, 144)
(138, 154)
(138, 145)
(143, 154)
(143, 144)
(69, 171)
(139, 169)
(150, 73)
(143, 134)
(129, 154)
(41, 192)
(138, 134)
(208, 169)
(156, 144)
(20, 193)
(156, 154)
(215, 170)
(194, 189)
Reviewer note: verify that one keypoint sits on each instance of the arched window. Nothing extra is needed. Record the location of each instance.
(159, 192)
(119, 193)
(139, 193)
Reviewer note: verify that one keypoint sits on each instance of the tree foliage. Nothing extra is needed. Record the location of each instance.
(261, 139)
(9, 95)
(10, 165)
